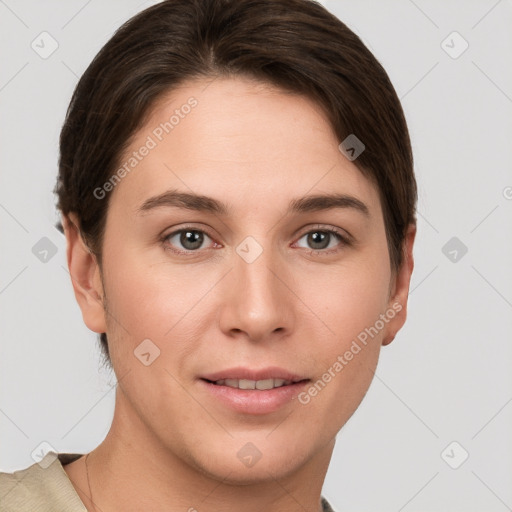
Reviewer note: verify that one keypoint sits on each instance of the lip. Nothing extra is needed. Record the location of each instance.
(254, 401)
(271, 372)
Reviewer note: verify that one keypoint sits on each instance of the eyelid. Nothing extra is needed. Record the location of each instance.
(344, 238)
(191, 227)
(326, 227)
(166, 235)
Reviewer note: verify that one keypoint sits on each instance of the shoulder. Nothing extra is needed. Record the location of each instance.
(42, 487)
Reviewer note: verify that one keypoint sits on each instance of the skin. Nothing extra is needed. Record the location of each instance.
(172, 446)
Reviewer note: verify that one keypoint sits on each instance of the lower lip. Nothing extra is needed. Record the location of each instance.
(254, 401)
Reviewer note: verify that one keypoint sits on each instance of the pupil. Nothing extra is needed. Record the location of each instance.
(319, 238)
(191, 239)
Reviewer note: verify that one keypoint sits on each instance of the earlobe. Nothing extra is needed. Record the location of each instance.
(85, 276)
(400, 292)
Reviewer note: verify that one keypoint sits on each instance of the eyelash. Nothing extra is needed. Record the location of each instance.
(344, 240)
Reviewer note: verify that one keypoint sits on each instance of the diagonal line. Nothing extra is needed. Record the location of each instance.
(14, 218)
(209, 83)
(86, 493)
(287, 492)
(492, 211)
(403, 506)
(426, 220)
(276, 480)
(27, 473)
(3, 3)
(375, 375)
(279, 424)
(327, 327)
(223, 223)
(13, 279)
(14, 76)
(14, 423)
(199, 403)
(492, 418)
(508, 508)
(106, 310)
(492, 81)
(109, 313)
(76, 14)
(424, 14)
(216, 216)
(314, 184)
(417, 286)
(111, 388)
(211, 288)
(215, 488)
(485, 14)
(310, 188)
(70, 69)
(474, 268)
(420, 80)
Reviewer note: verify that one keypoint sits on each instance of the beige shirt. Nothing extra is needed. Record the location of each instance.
(45, 487)
(42, 487)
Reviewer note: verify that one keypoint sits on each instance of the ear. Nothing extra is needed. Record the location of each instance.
(85, 276)
(400, 288)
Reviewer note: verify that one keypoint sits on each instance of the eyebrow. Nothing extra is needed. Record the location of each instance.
(201, 203)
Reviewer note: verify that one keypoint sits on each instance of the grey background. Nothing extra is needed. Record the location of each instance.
(447, 377)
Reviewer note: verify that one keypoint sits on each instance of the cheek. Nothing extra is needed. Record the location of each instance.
(350, 298)
(165, 303)
(148, 293)
(350, 302)
(152, 323)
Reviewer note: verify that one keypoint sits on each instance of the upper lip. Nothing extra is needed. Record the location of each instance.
(271, 372)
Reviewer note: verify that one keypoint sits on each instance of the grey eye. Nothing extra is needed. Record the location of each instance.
(190, 239)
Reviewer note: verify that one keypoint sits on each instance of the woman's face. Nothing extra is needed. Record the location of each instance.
(241, 244)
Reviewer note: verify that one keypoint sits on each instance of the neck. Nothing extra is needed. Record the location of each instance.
(131, 471)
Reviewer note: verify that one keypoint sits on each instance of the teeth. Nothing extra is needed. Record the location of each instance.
(232, 383)
(253, 384)
(246, 384)
(265, 384)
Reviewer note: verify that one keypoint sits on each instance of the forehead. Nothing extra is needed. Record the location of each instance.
(249, 143)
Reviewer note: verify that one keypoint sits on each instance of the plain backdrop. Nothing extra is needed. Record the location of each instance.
(433, 433)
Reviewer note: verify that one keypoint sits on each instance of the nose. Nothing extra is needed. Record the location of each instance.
(257, 303)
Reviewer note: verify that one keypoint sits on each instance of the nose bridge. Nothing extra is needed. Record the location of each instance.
(258, 302)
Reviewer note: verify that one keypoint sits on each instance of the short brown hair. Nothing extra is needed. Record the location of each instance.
(296, 45)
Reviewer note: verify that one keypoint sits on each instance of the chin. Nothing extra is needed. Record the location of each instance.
(243, 463)
(236, 474)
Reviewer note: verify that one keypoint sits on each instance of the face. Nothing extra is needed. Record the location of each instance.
(279, 271)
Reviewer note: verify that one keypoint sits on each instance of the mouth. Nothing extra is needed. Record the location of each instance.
(254, 392)
(260, 385)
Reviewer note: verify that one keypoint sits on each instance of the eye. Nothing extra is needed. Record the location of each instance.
(186, 240)
(322, 239)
